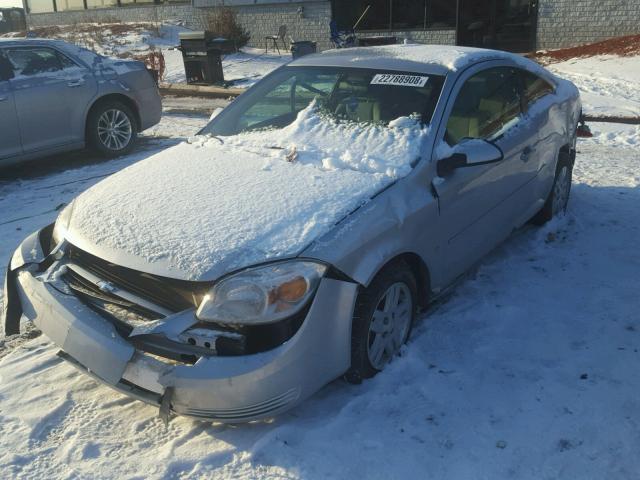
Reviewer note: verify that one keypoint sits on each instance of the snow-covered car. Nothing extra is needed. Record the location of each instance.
(56, 97)
(294, 240)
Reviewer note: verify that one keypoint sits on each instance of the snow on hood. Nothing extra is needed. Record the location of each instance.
(203, 208)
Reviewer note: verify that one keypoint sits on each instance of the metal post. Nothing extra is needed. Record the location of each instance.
(458, 22)
(424, 19)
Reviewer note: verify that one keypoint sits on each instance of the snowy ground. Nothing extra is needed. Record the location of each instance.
(609, 85)
(527, 371)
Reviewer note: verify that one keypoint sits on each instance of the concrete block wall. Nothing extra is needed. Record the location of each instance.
(312, 23)
(567, 23)
(143, 13)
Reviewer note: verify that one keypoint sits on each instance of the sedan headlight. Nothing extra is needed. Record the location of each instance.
(62, 224)
(263, 294)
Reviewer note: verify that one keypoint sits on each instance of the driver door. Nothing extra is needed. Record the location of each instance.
(479, 204)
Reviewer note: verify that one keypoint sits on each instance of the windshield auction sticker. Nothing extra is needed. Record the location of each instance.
(399, 80)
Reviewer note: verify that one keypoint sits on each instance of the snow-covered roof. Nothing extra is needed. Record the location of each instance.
(434, 59)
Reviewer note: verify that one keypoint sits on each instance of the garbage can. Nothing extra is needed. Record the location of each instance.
(376, 41)
(201, 54)
(300, 49)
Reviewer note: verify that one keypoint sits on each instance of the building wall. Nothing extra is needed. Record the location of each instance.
(307, 20)
(561, 23)
(566, 23)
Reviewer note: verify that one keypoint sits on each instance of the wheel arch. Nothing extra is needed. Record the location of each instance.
(113, 97)
(418, 268)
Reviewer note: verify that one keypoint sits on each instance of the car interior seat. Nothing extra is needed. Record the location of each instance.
(356, 103)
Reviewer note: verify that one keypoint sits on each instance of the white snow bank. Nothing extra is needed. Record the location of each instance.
(203, 208)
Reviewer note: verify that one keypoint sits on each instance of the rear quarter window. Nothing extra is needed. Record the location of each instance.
(535, 87)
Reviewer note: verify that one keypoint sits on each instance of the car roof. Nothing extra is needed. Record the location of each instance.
(5, 42)
(433, 59)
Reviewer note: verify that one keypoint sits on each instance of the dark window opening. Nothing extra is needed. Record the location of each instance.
(395, 14)
(534, 87)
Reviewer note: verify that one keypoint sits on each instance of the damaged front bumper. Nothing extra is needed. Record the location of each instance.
(224, 388)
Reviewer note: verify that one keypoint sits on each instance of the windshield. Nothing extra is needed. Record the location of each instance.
(356, 95)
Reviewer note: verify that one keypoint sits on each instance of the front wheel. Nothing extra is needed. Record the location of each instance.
(382, 321)
(111, 129)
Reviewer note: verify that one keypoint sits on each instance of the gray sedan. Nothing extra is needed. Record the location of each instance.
(296, 239)
(56, 97)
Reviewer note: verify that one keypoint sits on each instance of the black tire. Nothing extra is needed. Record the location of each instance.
(551, 207)
(369, 301)
(121, 143)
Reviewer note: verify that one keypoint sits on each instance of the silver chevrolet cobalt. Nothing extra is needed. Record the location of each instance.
(232, 276)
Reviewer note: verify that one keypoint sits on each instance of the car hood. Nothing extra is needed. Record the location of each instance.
(202, 208)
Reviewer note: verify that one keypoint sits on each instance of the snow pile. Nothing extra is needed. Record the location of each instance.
(203, 208)
(329, 144)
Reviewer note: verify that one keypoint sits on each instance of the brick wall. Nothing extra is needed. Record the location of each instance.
(566, 23)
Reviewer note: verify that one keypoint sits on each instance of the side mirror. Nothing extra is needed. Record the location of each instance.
(470, 153)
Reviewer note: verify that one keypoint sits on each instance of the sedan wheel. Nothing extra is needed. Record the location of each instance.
(382, 320)
(390, 324)
(561, 189)
(114, 129)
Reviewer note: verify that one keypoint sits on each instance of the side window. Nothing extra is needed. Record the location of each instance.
(36, 60)
(534, 87)
(487, 104)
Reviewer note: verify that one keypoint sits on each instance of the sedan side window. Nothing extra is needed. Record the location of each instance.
(35, 60)
(534, 87)
(486, 106)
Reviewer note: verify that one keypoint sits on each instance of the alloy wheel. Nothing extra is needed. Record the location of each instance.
(114, 129)
(390, 325)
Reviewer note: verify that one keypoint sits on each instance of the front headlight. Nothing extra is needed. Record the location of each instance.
(62, 224)
(263, 294)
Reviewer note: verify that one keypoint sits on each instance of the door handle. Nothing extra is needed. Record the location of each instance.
(2, 99)
(75, 83)
(526, 153)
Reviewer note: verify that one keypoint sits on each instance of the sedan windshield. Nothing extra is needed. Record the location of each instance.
(356, 95)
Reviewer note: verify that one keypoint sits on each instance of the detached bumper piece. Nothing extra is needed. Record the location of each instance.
(110, 326)
(12, 311)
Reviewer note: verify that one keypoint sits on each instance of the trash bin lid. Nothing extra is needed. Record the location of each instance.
(192, 35)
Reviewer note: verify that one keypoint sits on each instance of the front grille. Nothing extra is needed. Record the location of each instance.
(82, 286)
(170, 294)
